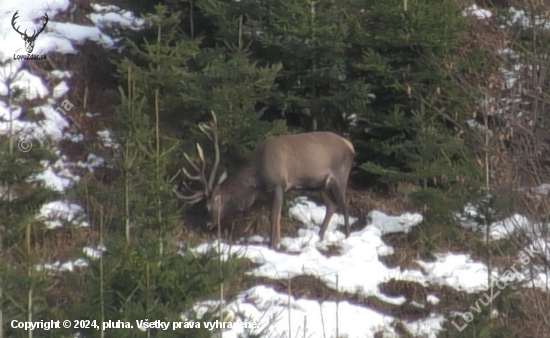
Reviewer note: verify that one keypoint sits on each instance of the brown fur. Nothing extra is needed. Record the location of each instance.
(309, 161)
(317, 160)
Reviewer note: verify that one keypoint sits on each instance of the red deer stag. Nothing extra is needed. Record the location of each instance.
(310, 161)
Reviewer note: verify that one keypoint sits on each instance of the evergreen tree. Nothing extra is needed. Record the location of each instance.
(309, 39)
(417, 115)
(162, 61)
(144, 274)
(23, 287)
(220, 78)
(229, 82)
(233, 87)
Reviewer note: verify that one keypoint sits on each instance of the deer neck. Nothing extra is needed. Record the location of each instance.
(239, 191)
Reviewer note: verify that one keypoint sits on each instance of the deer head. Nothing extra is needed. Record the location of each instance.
(29, 40)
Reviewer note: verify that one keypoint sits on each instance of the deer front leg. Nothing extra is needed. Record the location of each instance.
(330, 211)
(276, 217)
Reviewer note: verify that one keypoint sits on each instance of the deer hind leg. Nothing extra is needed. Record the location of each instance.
(331, 207)
(276, 217)
(339, 194)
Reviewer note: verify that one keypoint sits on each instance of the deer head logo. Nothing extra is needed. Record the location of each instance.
(29, 40)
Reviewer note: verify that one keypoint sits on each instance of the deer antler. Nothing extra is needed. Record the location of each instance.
(200, 176)
(13, 23)
(211, 131)
(34, 35)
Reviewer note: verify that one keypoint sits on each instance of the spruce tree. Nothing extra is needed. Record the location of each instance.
(232, 86)
(23, 288)
(144, 273)
(415, 122)
(309, 40)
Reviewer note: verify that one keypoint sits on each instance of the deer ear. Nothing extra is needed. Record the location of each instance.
(222, 178)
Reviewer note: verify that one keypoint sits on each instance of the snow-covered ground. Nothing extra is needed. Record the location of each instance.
(356, 269)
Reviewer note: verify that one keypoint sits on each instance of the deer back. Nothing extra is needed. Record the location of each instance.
(301, 161)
